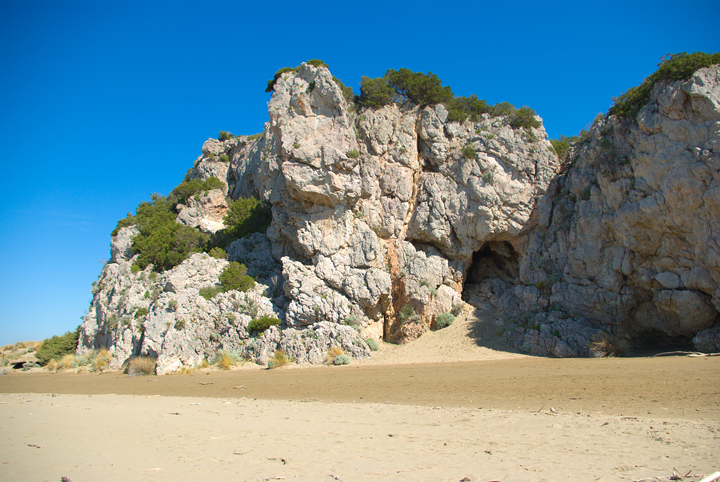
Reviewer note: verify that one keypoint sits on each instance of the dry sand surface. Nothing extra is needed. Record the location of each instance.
(481, 413)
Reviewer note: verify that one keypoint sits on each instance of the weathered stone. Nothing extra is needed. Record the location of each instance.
(376, 209)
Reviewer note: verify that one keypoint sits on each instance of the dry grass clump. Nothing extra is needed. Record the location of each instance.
(227, 359)
(184, 370)
(141, 366)
(332, 353)
(101, 361)
(279, 359)
(606, 345)
(67, 362)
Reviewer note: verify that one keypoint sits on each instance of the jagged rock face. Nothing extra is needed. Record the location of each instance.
(205, 211)
(349, 189)
(377, 210)
(166, 317)
(628, 238)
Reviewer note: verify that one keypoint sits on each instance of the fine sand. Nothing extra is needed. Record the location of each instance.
(456, 404)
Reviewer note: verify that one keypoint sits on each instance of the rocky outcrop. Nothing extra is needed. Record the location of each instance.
(627, 238)
(353, 193)
(378, 211)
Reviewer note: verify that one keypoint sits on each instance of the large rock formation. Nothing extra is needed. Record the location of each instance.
(628, 237)
(376, 209)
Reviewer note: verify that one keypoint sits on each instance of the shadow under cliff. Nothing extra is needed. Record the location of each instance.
(485, 327)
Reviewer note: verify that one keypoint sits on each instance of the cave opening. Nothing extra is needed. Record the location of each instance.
(494, 269)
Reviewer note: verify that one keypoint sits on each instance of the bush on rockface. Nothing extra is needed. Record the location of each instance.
(244, 217)
(403, 85)
(672, 67)
(563, 144)
(259, 325)
(189, 187)
(161, 241)
(235, 277)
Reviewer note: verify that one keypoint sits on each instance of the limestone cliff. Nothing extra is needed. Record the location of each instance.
(627, 239)
(376, 210)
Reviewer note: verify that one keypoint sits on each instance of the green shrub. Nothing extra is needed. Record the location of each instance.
(562, 145)
(672, 67)
(217, 253)
(56, 347)
(180, 324)
(224, 136)
(244, 217)
(443, 320)
(189, 187)
(406, 312)
(259, 325)
(316, 63)
(372, 344)
(524, 117)
(235, 277)
(459, 108)
(224, 158)
(354, 154)
(342, 360)
(141, 312)
(403, 85)
(375, 93)
(469, 151)
(503, 109)
(271, 83)
(418, 88)
(209, 292)
(161, 241)
(255, 136)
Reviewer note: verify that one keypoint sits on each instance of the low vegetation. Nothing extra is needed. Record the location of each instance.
(244, 217)
(562, 145)
(141, 366)
(372, 344)
(191, 187)
(672, 67)
(342, 360)
(235, 277)
(279, 359)
(406, 312)
(162, 242)
(443, 320)
(227, 359)
(606, 345)
(259, 325)
(333, 353)
(402, 86)
(94, 361)
(56, 347)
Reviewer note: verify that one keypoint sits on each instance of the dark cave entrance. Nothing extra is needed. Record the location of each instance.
(494, 268)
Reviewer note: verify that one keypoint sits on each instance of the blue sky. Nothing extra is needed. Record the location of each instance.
(104, 103)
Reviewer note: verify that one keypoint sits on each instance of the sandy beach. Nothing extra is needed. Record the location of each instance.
(480, 412)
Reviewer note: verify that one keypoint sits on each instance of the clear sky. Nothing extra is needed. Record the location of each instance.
(103, 103)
